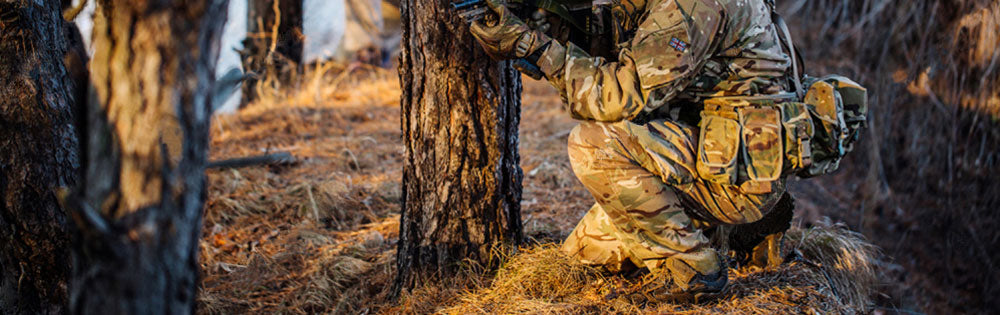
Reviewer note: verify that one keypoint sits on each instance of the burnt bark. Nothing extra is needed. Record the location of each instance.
(37, 155)
(273, 46)
(461, 176)
(138, 213)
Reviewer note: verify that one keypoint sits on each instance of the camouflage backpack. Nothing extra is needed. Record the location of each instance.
(822, 128)
(753, 141)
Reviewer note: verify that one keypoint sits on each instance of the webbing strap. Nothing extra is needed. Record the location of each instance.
(786, 37)
(734, 102)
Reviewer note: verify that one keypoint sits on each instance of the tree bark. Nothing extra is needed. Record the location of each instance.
(37, 155)
(461, 177)
(269, 51)
(138, 215)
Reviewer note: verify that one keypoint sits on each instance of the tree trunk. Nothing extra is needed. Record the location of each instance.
(268, 51)
(138, 214)
(37, 155)
(461, 178)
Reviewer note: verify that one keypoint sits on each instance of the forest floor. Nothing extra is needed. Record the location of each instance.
(319, 235)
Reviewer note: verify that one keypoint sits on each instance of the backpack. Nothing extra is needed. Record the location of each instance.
(753, 141)
(822, 128)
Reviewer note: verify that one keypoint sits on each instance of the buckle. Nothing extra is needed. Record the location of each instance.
(805, 146)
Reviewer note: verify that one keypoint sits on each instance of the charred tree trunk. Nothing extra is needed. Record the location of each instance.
(461, 178)
(138, 213)
(273, 46)
(37, 155)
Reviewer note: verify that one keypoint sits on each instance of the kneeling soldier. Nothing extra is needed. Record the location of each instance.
(686, 130)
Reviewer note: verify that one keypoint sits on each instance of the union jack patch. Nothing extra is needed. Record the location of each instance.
(678, 44)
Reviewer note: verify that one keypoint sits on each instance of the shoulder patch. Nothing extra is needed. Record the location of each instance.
(678, 44)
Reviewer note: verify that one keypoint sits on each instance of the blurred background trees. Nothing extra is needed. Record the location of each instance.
(138, 210)
(273, 45)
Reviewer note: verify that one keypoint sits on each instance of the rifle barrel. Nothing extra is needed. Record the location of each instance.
(461, 5)
(473, 14)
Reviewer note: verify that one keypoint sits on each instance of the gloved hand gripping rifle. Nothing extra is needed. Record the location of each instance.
(567, 12)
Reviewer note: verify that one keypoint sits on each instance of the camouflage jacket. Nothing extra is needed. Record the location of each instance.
(682, 51)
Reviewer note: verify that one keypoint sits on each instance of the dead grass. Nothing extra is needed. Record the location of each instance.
(834, 274)
(300, 238)
(845, 258)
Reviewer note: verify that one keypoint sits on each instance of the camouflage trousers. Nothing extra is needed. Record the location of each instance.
(651, 205)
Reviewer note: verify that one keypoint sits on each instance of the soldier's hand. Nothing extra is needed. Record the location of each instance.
(539, 21)
(509, 37)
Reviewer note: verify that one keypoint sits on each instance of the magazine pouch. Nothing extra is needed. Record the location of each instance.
(718, 144)
(762, 151)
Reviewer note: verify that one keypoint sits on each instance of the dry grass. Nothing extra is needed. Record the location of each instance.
(846, 259)
(299, 238)
(834, 274)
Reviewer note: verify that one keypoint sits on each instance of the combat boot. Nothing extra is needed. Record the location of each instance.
(758, 244)
(766, 254)
(697, 276)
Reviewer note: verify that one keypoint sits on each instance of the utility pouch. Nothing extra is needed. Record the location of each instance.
(838, 107)
(718, 145)
(799, 129)
(826, 109)
(762, 143)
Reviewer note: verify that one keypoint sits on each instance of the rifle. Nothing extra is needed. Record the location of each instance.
(474, 10)
(567, 11)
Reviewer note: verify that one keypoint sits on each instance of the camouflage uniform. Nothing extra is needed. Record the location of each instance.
(681, 64)
(651, 201)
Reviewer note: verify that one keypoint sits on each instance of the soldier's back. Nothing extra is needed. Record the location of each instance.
(748, 58)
